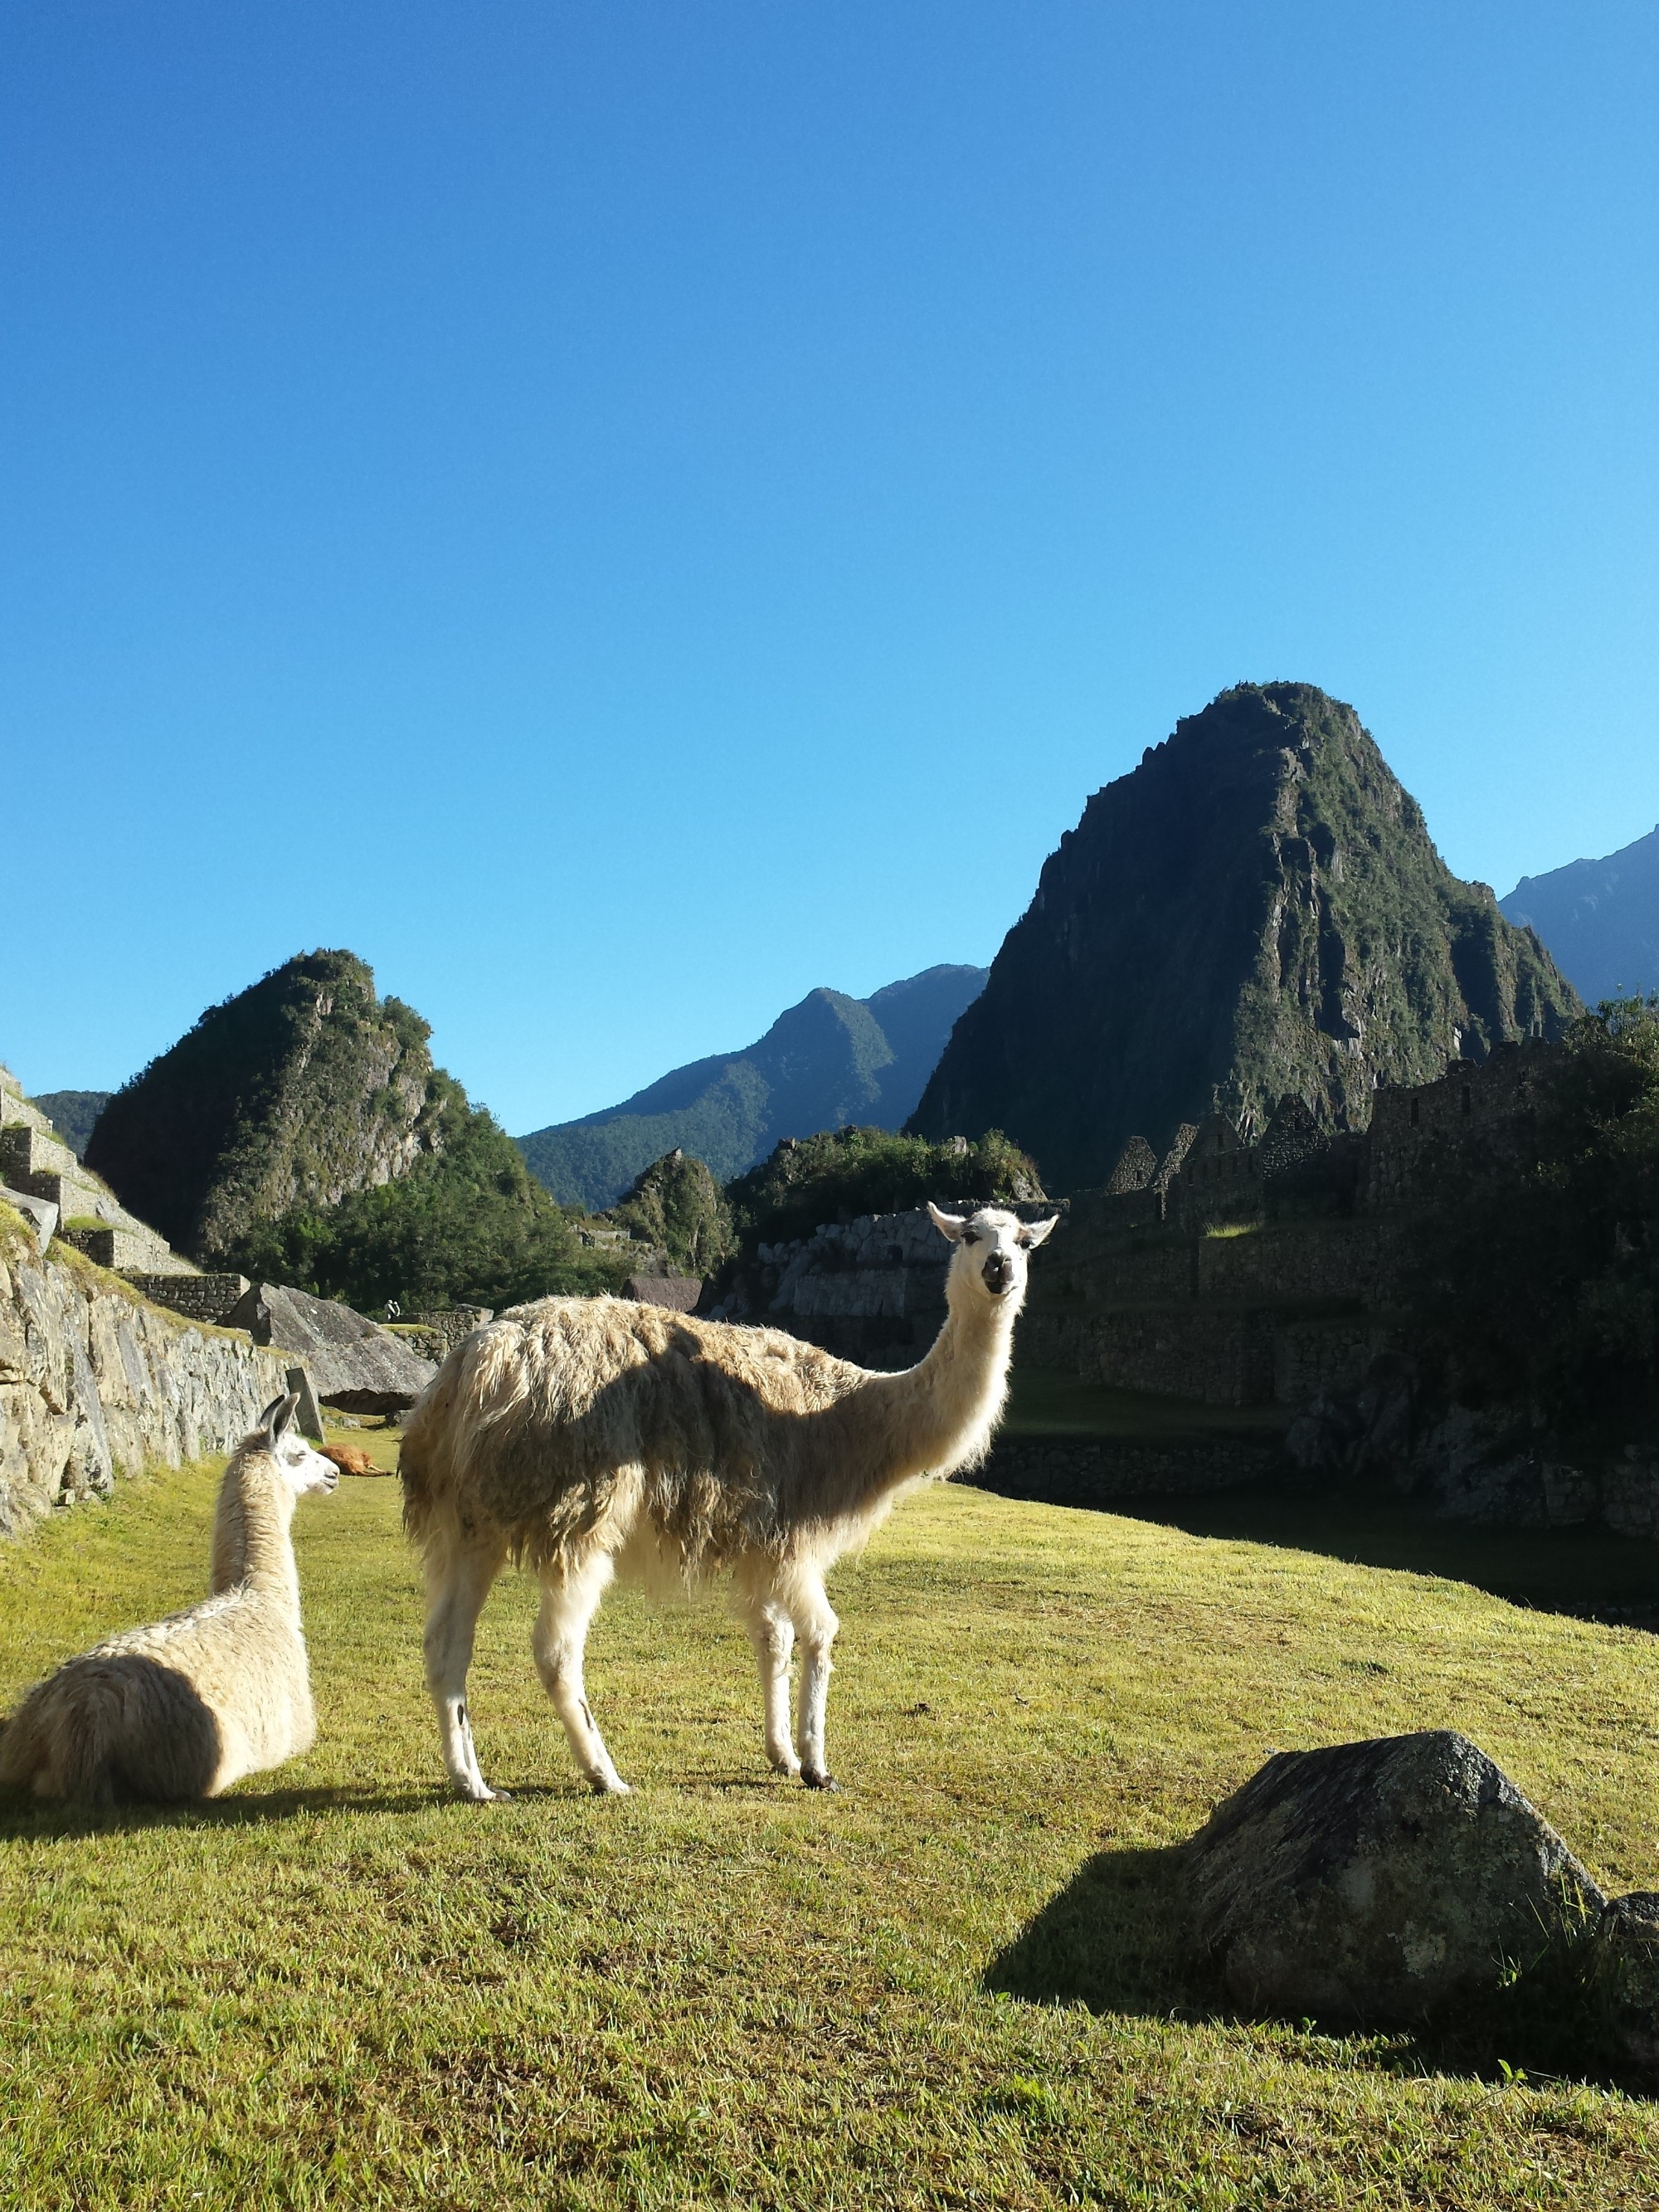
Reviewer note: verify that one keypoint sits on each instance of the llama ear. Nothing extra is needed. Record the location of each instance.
(948, 1225)
(278, 1416)
(1036, 1232)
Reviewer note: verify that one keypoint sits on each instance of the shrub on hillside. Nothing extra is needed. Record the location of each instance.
(1539, 1277)
(676, 1205)
(839, 1174)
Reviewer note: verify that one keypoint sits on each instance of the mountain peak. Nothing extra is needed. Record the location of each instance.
(1254, 910)
(828, 1060)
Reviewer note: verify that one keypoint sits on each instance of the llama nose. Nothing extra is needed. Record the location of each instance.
(996, 1274)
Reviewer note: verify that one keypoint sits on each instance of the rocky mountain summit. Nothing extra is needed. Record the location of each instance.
(828, 1061)
(1599, 918)
(1256, 909)
(301, 1089)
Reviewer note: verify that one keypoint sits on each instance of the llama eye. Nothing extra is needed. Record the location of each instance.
(970, 1236)
(1023, 1242)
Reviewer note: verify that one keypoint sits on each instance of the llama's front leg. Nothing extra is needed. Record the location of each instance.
(568, 1604)
(816, 1625)
(773, 1634)
(457, 1585)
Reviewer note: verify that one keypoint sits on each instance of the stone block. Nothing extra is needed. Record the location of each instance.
(1627, 1973)
(309, 1413)
(1382, 1882)
(41, 1213)
(354, 1363)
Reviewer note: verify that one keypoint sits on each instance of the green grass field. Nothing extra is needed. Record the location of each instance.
(952, 1983)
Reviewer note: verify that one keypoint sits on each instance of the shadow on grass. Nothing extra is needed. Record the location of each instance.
(1116, 1939)
(1585, 1572)
(25, 1816)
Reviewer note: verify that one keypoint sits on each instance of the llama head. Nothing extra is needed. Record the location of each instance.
(301, 1468)
(992, 1248)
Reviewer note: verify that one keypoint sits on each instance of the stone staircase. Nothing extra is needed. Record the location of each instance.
(36, 1163)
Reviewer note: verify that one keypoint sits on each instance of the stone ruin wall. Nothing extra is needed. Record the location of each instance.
(96, 1383)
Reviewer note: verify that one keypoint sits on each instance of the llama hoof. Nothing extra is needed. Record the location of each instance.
(815, 1779)
(789, 1768)
(609, 1785)
(483, 1795)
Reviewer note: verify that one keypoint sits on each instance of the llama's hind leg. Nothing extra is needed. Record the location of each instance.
(569, 1602)
(816, 1625)
(773, 1635)
(457, 1582)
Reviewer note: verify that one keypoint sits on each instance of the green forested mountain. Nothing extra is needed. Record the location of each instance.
(1256, 909)
(300, 1132)
(828, 1061)
(298, 1090)
(73, 1115)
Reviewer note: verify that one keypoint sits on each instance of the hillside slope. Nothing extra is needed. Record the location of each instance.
(957, 1982)
(828, 1061)
(1599, 918)
(1257, 909)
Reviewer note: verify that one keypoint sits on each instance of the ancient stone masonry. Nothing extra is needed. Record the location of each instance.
(199, 1298)
(95, 1382)
(35, 1163)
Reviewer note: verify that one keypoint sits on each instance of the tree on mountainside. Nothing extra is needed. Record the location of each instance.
(468, 1224)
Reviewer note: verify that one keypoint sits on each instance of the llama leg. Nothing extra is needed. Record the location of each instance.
(458, 1583)
(816, 1625)
(569, 1602)
(773, 1635)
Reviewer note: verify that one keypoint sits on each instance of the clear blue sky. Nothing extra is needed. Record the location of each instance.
(620, 513)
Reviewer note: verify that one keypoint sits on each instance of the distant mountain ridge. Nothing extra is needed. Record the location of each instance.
(1256, 909)
(73, 1114)
(1599, 918)
(828, 1061)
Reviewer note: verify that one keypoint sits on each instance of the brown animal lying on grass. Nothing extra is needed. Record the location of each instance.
(351, 1459)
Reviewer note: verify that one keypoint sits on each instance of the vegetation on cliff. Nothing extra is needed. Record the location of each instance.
(301, 1133)
(839, 1174)
(295, 1092)
(467, 1224)
(1539, 1272)
(1256, 909)
(676, 1206)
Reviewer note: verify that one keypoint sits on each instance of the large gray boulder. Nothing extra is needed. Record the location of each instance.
(354, 1363)
(1626, 1960)
(1381, 1882)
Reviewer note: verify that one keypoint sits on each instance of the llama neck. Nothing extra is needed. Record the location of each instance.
(251, 1545)
(941, 1413)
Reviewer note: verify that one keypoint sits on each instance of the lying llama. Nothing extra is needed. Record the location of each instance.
(590, 1436)
(188, 1706)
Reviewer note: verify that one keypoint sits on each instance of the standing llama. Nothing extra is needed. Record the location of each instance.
(186, 1707)
(594, 1435)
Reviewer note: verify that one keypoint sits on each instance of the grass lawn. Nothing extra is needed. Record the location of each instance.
(952, 1983)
